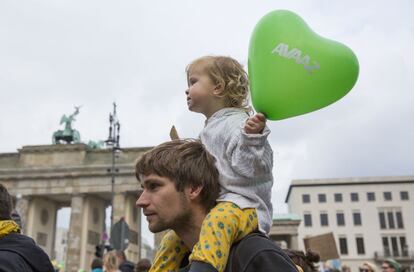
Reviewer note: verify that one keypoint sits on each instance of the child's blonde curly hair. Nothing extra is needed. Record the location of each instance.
(229, 74)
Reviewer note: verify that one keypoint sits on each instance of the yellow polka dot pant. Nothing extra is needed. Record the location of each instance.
(225, 224)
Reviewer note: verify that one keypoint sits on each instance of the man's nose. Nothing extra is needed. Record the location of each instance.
(142, 200)
(187, 91)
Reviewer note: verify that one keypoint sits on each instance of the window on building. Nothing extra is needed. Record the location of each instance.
(324, 219)
(354, 197)
(340, 219)
(343, 246)
(321, 198)
(387, 196)
(386, 247)
(338, 197)
(395, 246)
(404, 195)
(404, 246)
(307, 219)
(391, 219)
(398, 216)
(371, 196)
(383, 225)
(305, 198)
(360, 245)
(391, 223)
(357, 218)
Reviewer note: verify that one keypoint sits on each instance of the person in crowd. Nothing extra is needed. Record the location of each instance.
(17, 251)
(110, 262)
(143, 265)
(368, 267)
(97, 265)
(124, 264)
(180, 185)
(391, 265)
(304, 262)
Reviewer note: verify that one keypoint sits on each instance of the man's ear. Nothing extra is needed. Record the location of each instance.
(195, 192)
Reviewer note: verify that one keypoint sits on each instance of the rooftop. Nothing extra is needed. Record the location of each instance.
(286, 216)
(348, 182)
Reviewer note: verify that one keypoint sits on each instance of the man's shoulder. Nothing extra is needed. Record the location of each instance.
(24, 251)
(16, 240)
(256, 252)
(10, 259)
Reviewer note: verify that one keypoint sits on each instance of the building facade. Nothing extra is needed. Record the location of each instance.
(46, 178)
(371, 218)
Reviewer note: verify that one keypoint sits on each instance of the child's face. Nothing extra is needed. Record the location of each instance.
(201, 95)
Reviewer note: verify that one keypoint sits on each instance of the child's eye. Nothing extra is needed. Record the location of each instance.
(192, 81)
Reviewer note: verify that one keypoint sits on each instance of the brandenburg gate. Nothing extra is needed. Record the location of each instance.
(45, 178)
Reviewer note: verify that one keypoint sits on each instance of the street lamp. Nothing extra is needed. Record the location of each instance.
(113, 142)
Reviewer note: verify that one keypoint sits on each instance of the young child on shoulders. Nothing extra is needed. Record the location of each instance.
(218, 88)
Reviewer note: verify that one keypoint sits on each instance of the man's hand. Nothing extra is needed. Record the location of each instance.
(255, 124)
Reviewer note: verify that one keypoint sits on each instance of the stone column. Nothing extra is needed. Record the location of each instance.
(293, 243)
(133, 219)
(119, 206)
(22, 208)
(53, 251)
(40, 222)
(75, 234)
(92, 228)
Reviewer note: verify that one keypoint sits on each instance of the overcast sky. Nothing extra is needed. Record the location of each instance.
(58, 54)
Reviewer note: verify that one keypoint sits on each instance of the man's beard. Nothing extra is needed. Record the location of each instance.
(180, 221)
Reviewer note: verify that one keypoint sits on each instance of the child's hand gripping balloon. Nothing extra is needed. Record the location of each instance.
(255, 124)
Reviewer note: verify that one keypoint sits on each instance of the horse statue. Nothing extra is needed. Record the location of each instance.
(96, 144)
(68, 135)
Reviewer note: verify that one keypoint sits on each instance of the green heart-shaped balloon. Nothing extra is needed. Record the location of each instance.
(293, 70)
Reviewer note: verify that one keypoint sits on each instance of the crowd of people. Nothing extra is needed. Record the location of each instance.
(116, 261)
(308, 262)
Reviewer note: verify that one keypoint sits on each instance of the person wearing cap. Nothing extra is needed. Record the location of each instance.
(390, 265)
